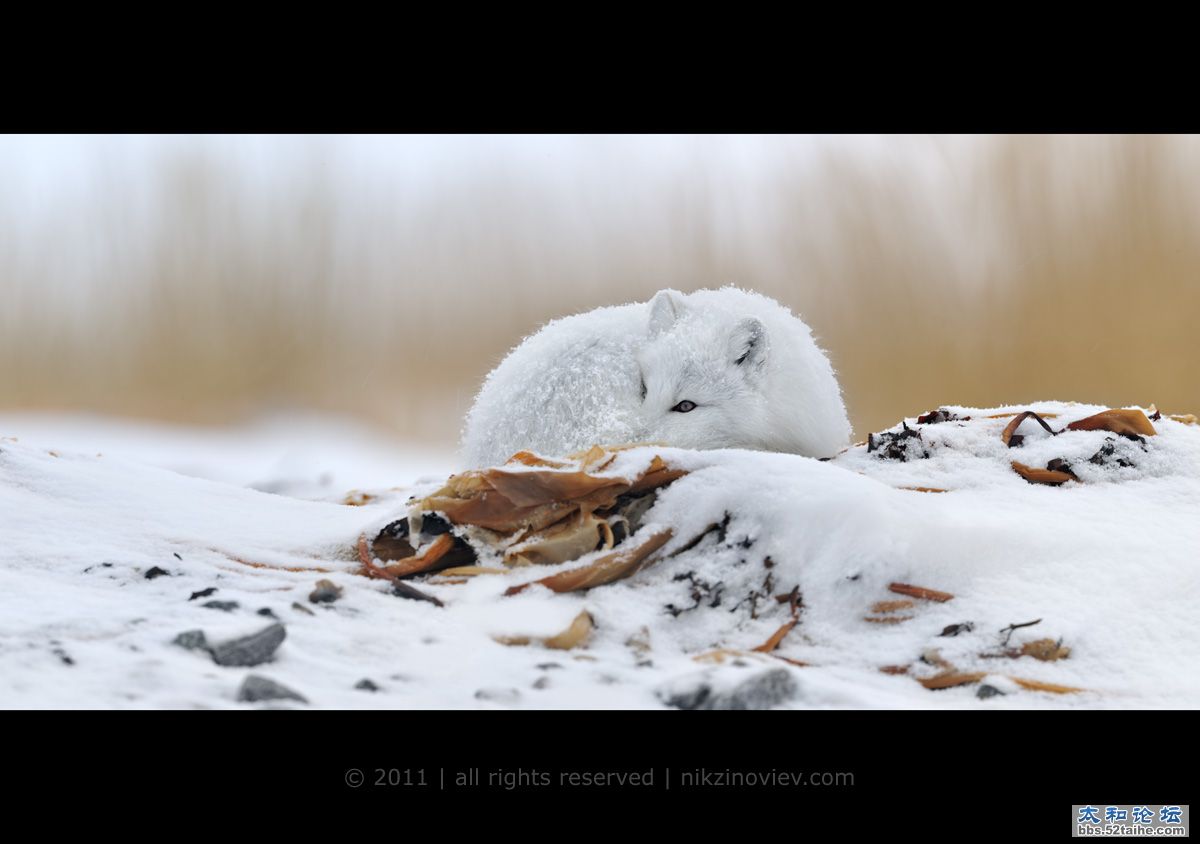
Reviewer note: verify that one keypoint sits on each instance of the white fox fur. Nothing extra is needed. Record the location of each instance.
(752, 370)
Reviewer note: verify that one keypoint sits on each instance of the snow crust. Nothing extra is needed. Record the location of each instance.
(1109, 565)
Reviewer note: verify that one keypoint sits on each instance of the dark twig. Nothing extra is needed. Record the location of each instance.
(1008, 631)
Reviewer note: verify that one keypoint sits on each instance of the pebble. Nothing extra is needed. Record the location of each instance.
(499, 695)
(256, 687)
(224, 606)
(366, 685)
(254, 649)
(326, 592)
(192, 640)
(155, 572)
(203, 593)
(762, 691)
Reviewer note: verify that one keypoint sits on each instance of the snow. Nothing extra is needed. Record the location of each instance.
(1107, 564)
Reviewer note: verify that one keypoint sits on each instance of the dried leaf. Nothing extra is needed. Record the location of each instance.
(1009, 415)
(575, 634)
(949, 679)
(400, 588)
(891, 606)
(887, 619)
(932, 656)
(718, 656)
(528, 458)
(1039, 686)
(471, 571)
(612, 566)
(1006, 436)
(514, 499)
(1128, 421)
(427, 560)
(566, 540)
(776, 637)
(919, 592)
(1042, 476)
(1047, 650)
(922, 489)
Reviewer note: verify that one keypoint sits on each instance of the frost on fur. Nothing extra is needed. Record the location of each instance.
(712, 369)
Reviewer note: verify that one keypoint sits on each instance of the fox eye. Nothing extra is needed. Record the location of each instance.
(684, 406)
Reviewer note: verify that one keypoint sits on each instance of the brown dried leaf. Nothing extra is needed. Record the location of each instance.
(562, 541)
(1039, 686)
(891, 606)
(919, 592)
(1128, 421)
(1006, 435)
(580, 629)
(1047, 650)
(575, 634)
(471, 571)
(513, 499)
(612, 566)
(951, 678)
(530, 459)
(427, 560)
(1042, 476)
(400, 588)
(1009, 415)
(776, 637)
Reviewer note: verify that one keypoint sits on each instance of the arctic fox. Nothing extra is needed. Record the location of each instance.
(721, 368)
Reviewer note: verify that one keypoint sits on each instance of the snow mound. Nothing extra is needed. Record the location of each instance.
(856, 589)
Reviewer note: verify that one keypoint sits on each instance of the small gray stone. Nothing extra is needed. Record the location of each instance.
(223, 606)
(366, 685)
(326, 592)
(254, 649)
(192, 640)
(762, 691)
(256, 687)
(986, 691)
(693, 698)
(499, 695)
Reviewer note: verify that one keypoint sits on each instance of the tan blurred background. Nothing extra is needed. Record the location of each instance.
(208, 279)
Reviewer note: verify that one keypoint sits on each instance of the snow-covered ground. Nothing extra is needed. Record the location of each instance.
(1107, 566)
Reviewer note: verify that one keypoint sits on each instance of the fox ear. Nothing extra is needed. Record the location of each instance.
(748, 345)
(665, 308)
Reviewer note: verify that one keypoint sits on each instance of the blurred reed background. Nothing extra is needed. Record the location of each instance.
(207, 279)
